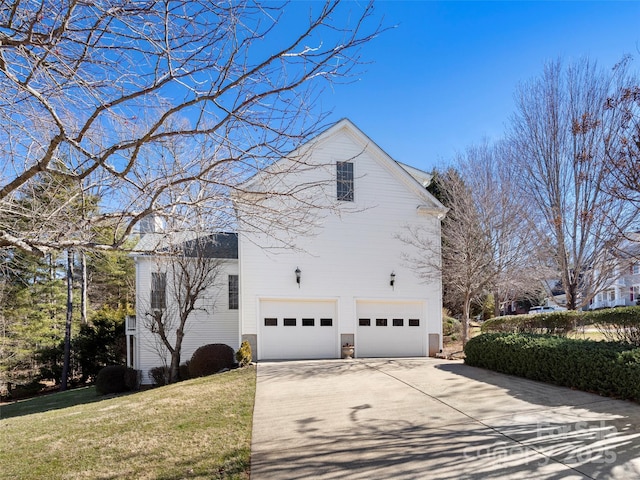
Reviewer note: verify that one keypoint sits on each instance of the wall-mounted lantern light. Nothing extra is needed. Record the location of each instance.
(298, 272)
(392, 279)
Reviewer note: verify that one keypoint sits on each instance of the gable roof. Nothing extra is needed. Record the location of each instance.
(216, 245)
(413, 178)
(420, 176)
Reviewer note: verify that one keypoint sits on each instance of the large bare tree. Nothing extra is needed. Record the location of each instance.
(159, 107)
(486, 242)
(624, 160)
(187, 281)
(563, 133)
(493, 182)
(463, 258)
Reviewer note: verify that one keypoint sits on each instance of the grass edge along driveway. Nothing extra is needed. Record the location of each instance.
(200, 428)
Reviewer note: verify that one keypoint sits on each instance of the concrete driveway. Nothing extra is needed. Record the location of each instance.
(433, 419)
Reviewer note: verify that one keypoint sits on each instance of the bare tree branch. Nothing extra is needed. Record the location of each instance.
(564, 134)
(160, 107)
(191, 275)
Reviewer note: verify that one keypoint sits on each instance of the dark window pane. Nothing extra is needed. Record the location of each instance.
(398, 322)
(414, 322)
(289, 322)
(344, 176)
(381, 322)
(233, 292)
(158, 290)
(365, 322)
(270, 322)
(326, 322)
(308, 322)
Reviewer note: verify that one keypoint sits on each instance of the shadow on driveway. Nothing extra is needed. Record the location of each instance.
(424, 418)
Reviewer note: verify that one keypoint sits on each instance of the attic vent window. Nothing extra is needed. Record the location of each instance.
(344, 177)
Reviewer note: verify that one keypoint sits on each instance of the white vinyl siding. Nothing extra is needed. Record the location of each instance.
(350, 255)
(218, 324)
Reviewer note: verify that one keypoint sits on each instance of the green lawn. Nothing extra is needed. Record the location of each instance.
(195, 429)
(587, 334)
(53, 401)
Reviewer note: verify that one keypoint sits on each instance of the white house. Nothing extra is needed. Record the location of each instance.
(622, 287)
(348, 280)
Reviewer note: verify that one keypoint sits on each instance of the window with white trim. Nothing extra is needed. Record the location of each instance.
(158, 290)
(233, 292)
(344, 181)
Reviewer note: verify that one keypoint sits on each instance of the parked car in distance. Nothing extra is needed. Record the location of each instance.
(545, 309)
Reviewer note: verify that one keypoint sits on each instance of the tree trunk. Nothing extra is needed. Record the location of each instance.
(571, 293)
(67, 329)
(83, 287)
(466, 308)
(174, 369)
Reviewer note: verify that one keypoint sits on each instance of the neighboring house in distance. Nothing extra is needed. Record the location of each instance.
(623, 289)
(349, 281)
(623, 286)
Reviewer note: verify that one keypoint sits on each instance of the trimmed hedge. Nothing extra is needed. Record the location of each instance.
(553, 323)
(210, 359)
(116, 379)
(617, 324)
(622, 323)
(607, 368)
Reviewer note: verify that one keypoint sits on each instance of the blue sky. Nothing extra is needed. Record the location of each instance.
(445, 77)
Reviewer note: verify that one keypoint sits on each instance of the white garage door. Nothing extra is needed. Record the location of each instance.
(390, 329)
(298, 329)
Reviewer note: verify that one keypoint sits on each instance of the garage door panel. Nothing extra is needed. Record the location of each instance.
(390, 329)
(294, 329)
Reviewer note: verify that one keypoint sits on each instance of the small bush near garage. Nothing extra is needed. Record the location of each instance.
(243, 355)
(607, 368)
(210, 359)
(116, 379)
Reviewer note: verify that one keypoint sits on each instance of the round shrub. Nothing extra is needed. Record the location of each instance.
(243, 355)
(159, 375)
(210, 359)
(132, 379)
(115, 379)
(184, 371)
